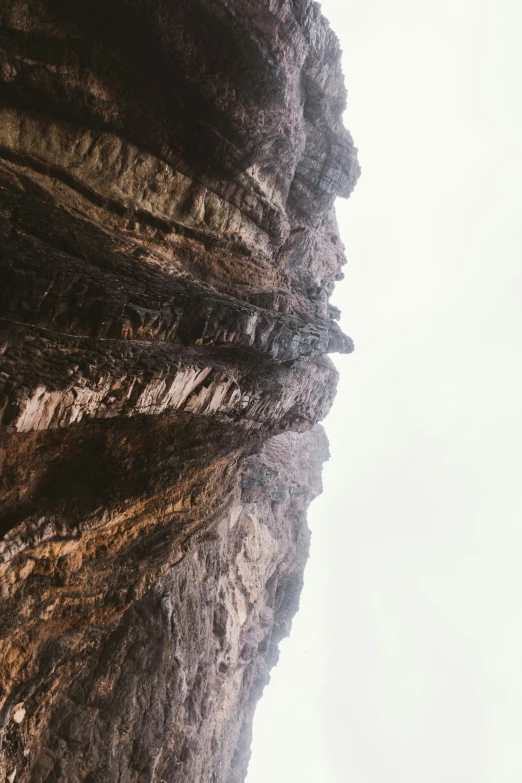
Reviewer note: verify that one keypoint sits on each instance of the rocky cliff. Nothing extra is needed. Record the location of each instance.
(169, 246)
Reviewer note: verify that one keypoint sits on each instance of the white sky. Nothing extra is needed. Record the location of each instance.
(405, 661)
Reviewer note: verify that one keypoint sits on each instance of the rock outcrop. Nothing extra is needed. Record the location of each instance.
(169, 246)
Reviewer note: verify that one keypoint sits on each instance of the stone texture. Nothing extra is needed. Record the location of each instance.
(168, 249)
(166, 689)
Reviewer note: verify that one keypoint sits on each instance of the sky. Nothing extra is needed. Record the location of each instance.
(405, 659)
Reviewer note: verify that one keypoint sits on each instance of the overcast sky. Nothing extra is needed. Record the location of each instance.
(405, 660)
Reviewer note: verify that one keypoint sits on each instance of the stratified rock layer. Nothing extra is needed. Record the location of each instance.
(169, 246)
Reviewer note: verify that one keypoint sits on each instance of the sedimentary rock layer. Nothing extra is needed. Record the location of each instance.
(168, 250)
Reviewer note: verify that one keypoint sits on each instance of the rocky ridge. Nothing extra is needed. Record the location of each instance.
(169, 246)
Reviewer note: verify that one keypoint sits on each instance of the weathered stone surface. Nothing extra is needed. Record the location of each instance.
(168, 249)
(166, 689)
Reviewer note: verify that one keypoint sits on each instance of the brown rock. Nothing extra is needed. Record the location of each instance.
(169, 246)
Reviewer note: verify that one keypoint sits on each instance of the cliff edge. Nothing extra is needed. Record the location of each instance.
(169, 247)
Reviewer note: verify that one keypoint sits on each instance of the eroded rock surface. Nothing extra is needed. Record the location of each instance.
(168, 249)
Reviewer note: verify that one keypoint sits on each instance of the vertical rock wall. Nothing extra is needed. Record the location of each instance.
(169, 246)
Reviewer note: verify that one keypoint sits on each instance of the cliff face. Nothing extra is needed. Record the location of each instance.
(167, 177)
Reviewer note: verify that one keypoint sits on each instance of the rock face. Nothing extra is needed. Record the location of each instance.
(169, 246)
